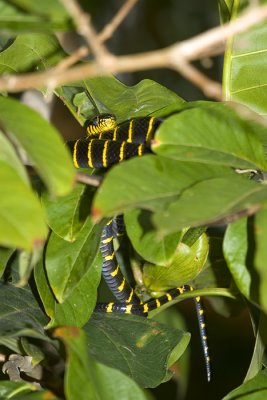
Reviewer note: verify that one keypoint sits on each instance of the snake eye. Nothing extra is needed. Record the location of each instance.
(95, 121)
(101, 123)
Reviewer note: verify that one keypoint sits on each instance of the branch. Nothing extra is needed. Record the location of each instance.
(92, 180)
(195, 48)
(104, 35)
(83, 24)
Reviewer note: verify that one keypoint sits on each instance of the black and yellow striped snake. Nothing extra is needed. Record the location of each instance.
(105, 145)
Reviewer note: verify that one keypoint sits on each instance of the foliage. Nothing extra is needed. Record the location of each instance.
(195, 212)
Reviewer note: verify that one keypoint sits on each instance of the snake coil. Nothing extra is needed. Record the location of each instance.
(105, 145)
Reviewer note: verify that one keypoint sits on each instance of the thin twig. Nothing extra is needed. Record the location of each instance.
(188, 50)
(104, 35)
(92, 180)
(110, 28)
(84, 26)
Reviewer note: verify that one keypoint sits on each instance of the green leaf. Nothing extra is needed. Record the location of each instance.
(137, 346)
(197, 207)
(212, 134)
(41, 16)
(96, 380)
(179, 366)
(177, 192)
(66, 215)
(26, 262)
(16, 390)
(9, 156)
(245, 71)
(66, 263)
(20, 313)
(145, 239)
(185, 266)
(225, 7)
(5, 254)
(259, 348)
(254, 389)
(260, 230)
(29, 52)
(124, 101)
(21, 216)
(40, 395)
(52, 8)
(235, 248)
(159, 182)
(42, 143)
(79, 305)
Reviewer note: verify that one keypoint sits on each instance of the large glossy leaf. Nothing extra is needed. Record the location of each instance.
(124, 101)
(260, 230)
(254, 389)
(30, 51)
(66, 263)
(213, 134)
(159, 182)
(21, 216)
(179, 193)
(85, 379)
(245, 71)
(209, 201)
(135, 345)
(79, 305)
(42, 143)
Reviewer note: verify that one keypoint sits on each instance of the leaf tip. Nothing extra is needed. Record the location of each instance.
(155, 142)
(96, 214)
